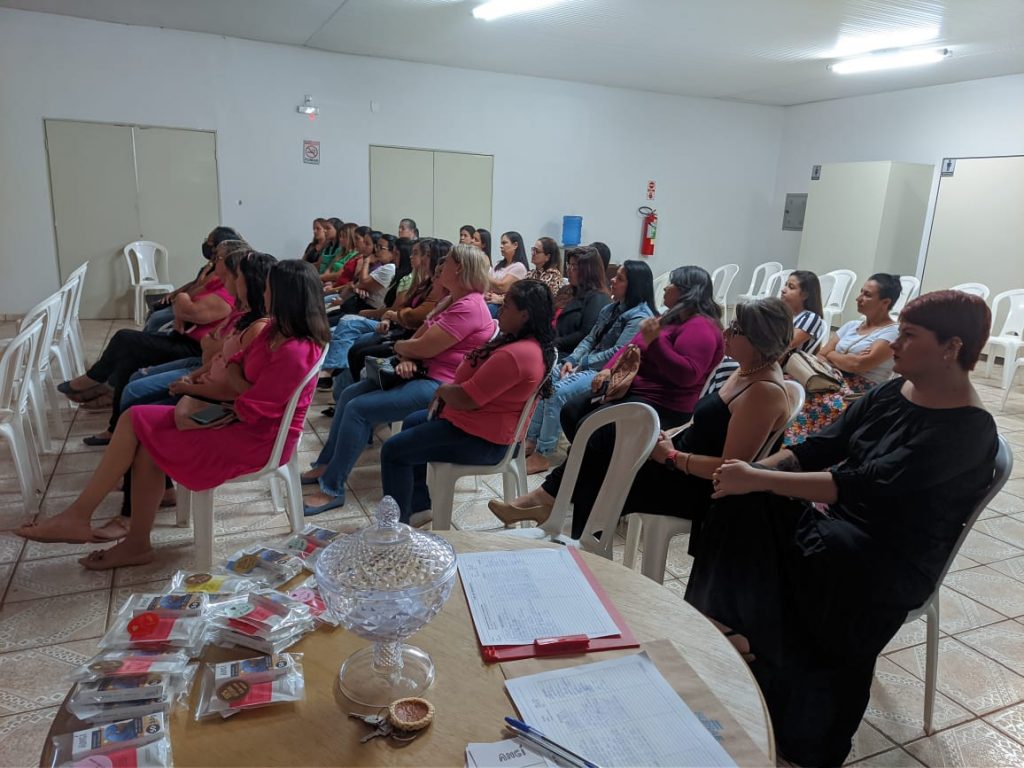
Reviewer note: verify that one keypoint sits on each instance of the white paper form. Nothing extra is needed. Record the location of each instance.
(620, 712)
(510, 753)
(518, 596)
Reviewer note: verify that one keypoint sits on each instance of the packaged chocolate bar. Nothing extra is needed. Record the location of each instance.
(272, 567)
(152, 631)
(155, 754)
(170, 604)
(113, 663)
(257, 669)
(308, 594)
(210, 583)
(226, 696)
(117, 735)
(107, 690)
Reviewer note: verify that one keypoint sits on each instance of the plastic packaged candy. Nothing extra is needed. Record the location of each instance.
(308, 594)
(227, 695)
(258, 669)
(112, 663)
(270, 567)
(118, 735)
(152, 631)
(210, 583)
(170, 604)
(154, 754)
(265, 621)
(107, 690)
(308, 543)
(90, 702)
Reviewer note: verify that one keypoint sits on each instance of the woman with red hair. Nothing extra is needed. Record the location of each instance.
(811, 560)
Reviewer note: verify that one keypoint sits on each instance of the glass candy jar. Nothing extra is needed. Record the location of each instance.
(384, 583)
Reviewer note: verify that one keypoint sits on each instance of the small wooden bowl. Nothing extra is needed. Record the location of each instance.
(411, 714)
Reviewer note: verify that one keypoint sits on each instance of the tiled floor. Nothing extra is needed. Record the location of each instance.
(52, 611)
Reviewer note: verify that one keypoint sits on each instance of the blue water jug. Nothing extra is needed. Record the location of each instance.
(572, 230)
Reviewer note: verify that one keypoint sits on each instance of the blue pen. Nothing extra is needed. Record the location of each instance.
(534, 736)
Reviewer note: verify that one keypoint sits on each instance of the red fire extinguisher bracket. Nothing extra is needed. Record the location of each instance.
(648, 230)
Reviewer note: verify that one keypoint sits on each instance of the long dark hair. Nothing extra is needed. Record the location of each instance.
(311, 254)
(534, 297)
(590, 272)
(485, 242)
(363, 232)
(520, 255)
(639, 285)
(337, 224)
(254, 268)
(810, 287)
(469, 229)
(429, 249)
(696, 296)
(297, 301)
(549, 247)
(402, 248)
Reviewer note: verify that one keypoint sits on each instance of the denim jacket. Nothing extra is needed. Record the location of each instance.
(594, 351)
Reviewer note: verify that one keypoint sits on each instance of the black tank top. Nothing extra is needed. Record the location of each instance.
(706, 435)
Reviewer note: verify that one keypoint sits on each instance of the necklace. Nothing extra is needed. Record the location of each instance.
(756, 368)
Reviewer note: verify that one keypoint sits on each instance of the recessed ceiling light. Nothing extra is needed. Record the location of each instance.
(495, 9)
(890, 60)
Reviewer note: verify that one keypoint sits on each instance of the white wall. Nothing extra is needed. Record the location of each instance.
(921, 125)
(560, 148)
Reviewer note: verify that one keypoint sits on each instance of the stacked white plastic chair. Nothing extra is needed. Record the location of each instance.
(835, 302)
(660, 284)
(976, 289)
(774, 284)
(68, 346)
(16, 375)
(657, 530)
(722, 279)
(759, 281)
(142, 257)
(1008, 342)
(442, 476)
(200, 503)
(910, 288)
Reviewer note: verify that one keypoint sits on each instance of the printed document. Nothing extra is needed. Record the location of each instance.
(518, 596)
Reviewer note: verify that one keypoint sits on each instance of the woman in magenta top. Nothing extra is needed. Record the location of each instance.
(475, 417)
(152, 443)
(679, 350)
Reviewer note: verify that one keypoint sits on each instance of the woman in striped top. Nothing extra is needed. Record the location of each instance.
(802, 294)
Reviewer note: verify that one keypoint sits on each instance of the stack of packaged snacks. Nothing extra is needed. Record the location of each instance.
(264, 620)
(261, 681)
(309, 543)
(138, 741)
(269, 567)
(308, 594)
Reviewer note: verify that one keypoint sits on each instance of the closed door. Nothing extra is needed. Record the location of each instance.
(462, 192)
(112, 184)
(95, 210)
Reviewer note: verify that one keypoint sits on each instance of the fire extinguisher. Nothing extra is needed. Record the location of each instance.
(648, 231)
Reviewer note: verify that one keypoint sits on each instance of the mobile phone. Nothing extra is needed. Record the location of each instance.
(599, 395)
(210, 414)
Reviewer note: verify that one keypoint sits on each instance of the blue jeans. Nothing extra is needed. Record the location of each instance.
(149, 385)
(343, 336)
(158, 318)
(545, 427)
(403, 459)
(359, 408)
(494, 309)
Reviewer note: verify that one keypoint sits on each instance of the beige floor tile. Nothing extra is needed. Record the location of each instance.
(868, 741)
(6, 571)
(471, 514)
(78, 462)
(22, 736)
(983, 548)
(896, 707)
(909, 635)
(966, 676)
(676, 585)
(10, 547)
(1004, 527)
(69, 485)
(254, 516)
(13, 514)
(962, 563)
(364, 477)
(7, 468)
(351, 514)
(959, 613)
(54, 576)
(1014, 567)
(893, 758)
(975, 744)
(1015, 486)
(1003, 642)
(107, 508)
(53, 620)
(38, 677)
(119, 596)
(991, 588)
(169, 558)
(1010, 721)
(1007, 503)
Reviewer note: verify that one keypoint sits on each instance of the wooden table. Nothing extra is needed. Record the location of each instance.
(469, 695)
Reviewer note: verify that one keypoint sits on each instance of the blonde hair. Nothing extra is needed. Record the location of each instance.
(475, 266)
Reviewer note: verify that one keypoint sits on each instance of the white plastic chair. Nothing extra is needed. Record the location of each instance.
(930, 608)
(835, 302)
(442, 476)
(636, 432)
(759, 281)
(660, 284)
(15, 380)
(41, 382)
(68, 347)
(143, 270)
(1008, 340)
(821, 337)
(657, 530)
(910, 287)
(200, 503)
(977, 289)
(722, 279)
(773, 285)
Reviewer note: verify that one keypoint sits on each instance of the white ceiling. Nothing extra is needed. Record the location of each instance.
(764, 51)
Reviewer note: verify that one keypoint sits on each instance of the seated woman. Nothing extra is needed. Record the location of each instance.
(151, 442)
(547, 264)
(632, 301)
(337, 258)
(318, 243)
(587, 296)
(475, 417)
(466, 232)
(802, 294)
(813, 596)
(679, 350)
(481, 238)
(370, 278)
(161, 313)
(511, 267)
(128, 350)
(435, 350)
(860, 351)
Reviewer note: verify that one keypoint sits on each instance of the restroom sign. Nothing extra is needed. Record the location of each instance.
(311, 152)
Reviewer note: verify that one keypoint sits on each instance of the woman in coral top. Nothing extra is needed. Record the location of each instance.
(153, 443)
(475, 417)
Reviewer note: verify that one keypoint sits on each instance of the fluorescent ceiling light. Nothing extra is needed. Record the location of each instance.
(854, 45)
(889, 60)
(495, 9)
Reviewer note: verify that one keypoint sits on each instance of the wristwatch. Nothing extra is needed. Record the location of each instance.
(670, 460)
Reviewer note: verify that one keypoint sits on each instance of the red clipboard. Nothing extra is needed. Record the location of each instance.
(560, 646)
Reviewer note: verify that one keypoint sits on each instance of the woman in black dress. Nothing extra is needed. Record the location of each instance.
(811, 597)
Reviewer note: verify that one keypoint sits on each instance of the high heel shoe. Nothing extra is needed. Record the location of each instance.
(510, 513)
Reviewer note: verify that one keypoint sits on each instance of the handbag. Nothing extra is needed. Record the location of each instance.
(188, 406)
(625, 370)
(381, 371)
(814, 375)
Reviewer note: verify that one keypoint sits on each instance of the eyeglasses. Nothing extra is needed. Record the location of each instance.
(535, 250)
(734, 329)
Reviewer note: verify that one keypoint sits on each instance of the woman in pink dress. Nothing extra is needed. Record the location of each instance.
(150, 442)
